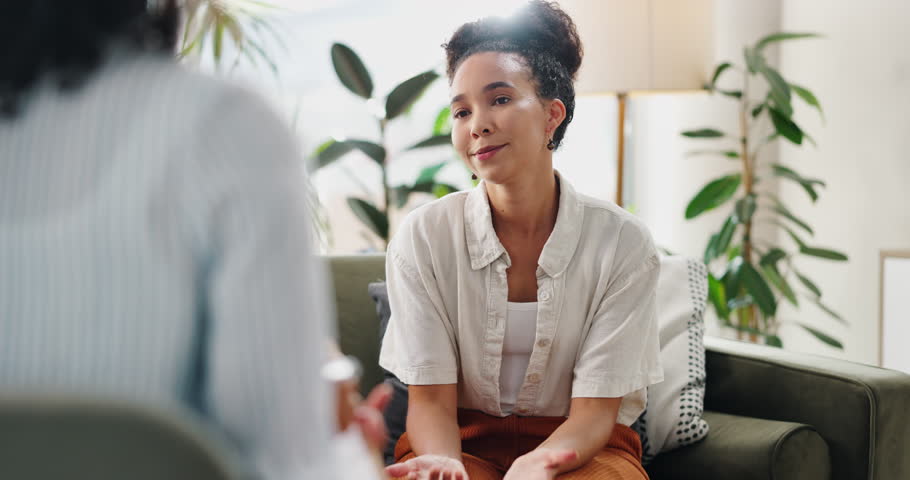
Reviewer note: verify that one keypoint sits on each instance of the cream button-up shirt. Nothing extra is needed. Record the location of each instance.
(596, 333)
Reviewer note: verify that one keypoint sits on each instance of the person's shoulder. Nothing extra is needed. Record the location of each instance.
(604, 213)
(432, 224)
(439, 211)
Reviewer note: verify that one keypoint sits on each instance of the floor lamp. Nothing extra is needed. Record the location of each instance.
(641, 46)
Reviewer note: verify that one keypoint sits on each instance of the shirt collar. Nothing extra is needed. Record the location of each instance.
(483, 243)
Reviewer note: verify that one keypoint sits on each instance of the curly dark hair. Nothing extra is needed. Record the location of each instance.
(543, 35)
(68, 39)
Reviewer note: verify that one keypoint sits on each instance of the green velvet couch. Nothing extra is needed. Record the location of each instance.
(773, 414)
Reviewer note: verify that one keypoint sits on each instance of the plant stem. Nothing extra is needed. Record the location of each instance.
(749, 314)
(386, 191)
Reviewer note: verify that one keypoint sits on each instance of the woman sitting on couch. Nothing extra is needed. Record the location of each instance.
(521, 302)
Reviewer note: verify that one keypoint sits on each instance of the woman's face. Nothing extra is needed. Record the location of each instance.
(500, 126)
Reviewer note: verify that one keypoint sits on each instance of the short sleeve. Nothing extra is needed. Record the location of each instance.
(419, 346)
(621, 352)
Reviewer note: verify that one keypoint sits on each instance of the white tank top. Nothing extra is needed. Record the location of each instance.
(521, 328)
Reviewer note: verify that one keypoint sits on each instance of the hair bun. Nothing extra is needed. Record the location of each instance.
(547, 27)
(538, 26)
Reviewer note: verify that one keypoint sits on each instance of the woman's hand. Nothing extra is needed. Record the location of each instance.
(540, 464)
(429, 467)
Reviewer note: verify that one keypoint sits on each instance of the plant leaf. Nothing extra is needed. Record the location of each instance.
(718, 297)
(808, 184)
(703, 133)
(785, 127)
(375, 220)
(823, 253)
(754, 59)
(731, 278)
(713, 194)
(217, 41)
(351, 71)
(434, 141)
(829, 311)
(334, 149)
(443, 123)
(780, 283)
(428, 174)
(719, 70)
(330, 151)
(407, 92)
(808, 97)
(758, 288)
(773, 256)
(401, 194)
(745, 208)
(711, 248)
(780, 90)
(793, 235)
(725, 153)
(778, 37)
(808, 284)
(737, 94)
(724, 236)
(774, 341)
(757, 110)
(789, 216)
(822, 336)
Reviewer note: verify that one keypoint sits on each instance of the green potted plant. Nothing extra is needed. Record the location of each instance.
(354, 75)
(753, 279)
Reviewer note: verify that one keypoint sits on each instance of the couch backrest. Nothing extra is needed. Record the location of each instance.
(358, 323)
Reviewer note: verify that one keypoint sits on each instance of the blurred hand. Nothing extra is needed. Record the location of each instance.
(541, 464)
(368, 416)
(429, 467)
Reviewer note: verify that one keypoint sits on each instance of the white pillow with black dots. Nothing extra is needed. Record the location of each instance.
(673, 416)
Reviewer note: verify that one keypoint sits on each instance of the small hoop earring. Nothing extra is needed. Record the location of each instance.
(551, 145)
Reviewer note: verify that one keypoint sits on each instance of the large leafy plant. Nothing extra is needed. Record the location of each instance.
(210, 25)
(755, 278)
(354, 75)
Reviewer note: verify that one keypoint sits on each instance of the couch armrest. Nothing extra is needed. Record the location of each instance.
(859, 410)
(747, 448)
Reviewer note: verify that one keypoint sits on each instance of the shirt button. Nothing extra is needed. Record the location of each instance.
(543, 342)
(534, 378)
(545, 296)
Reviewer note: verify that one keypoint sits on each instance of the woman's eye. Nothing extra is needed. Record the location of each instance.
(460, 113)
(501, 100)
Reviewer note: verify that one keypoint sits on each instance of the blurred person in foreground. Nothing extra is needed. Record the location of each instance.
(154, 241)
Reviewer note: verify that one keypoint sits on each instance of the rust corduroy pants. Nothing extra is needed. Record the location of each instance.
(490, 444)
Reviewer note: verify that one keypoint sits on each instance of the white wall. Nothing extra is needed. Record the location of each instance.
(860, 72)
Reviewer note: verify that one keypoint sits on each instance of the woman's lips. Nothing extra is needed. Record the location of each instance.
(487, 153)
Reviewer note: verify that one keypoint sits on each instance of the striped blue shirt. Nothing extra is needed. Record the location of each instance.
(154, 245)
